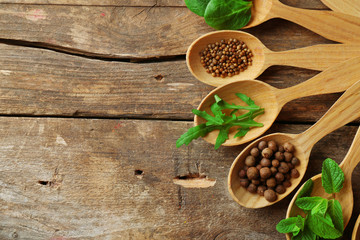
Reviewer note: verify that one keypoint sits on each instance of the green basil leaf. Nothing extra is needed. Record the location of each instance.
(194, 133)
(323, 226)
(336, 214)
(315, 204)
(222, 137)
(217, 120)
(242, 132)
(197, 6)
(332, 176)
(291, 225)
(230, 14)
(306, 189)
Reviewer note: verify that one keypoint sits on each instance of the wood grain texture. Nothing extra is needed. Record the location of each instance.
(113, 179)
(43, 82)
(299, 3)
(128, 32)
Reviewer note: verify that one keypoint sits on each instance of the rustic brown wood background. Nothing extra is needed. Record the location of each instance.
(94, 94)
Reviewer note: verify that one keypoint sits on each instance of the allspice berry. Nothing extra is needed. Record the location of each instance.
(271, 182)
(283, 168)
(281, 149)
(244, 182)
(258, 166)
(279, 177)
(252, 173)
(267, 153)
(270, 195)
(255, 181)
(242, 173)
(288, 156)
(279, 156)
(261, 189)
(255, 152)
(250, 161)
(275, 163)
(265, 162)
(272, 145)
(289, 147)
(295, 161)
(273, 170)
(262, 145)
(265, 172)
(280, 189)
(287, 183)
(295, 173)
(252, 188)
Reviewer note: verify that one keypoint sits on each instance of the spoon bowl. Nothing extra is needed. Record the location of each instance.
(260, 12)
(318, 57)
(343, 111)
(335, 79)
(263, 96)
(250, 200)
(345, 196)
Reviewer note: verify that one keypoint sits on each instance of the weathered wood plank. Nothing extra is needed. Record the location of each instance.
(113, 179)
(42, 82)
(128, 32)
(147, 3)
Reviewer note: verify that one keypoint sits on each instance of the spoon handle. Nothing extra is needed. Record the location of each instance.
(344, 110)
(351, 7)
(337, 78)
(335, 26)
(317, 57)
(352, 157)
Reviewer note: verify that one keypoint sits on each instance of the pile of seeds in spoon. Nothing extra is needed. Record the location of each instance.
(226, 58)
(269, 168)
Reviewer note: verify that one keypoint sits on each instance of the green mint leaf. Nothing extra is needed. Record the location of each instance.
(222, 137)
(291, 225)
(336, 214)
(305, 234)
(323, 226)
(230, 14)
(194, 133)
(315, 204)
(332, 176)
(217, 120)
(197, 6)
(241, 132)
(306, 189)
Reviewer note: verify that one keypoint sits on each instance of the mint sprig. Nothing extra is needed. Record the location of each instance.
(324, 218)
(222, 122)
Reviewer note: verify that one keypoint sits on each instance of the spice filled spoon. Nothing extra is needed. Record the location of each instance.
(332, 25)
(335, 79)
(345, 196)
(343, 111)
(317, 57)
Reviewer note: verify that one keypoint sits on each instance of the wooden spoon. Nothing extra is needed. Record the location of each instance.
(345, 196)
(318, 57)
(351, 7)
(335, 26)
(356, 231)
(344, 110)
(338, 78)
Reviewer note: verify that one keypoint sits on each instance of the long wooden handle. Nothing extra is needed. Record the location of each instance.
(317, 57)
(344, 110)
(352, 157)
(351, 7)
(335, 26)
(337, 78)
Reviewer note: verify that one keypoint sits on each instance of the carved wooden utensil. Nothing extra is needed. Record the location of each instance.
(338, 78)
(318, 57)
(344, 110)
(345, 196)
(332, 25)
(351, 7)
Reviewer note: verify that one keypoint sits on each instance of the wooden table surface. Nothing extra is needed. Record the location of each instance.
(94, 94)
